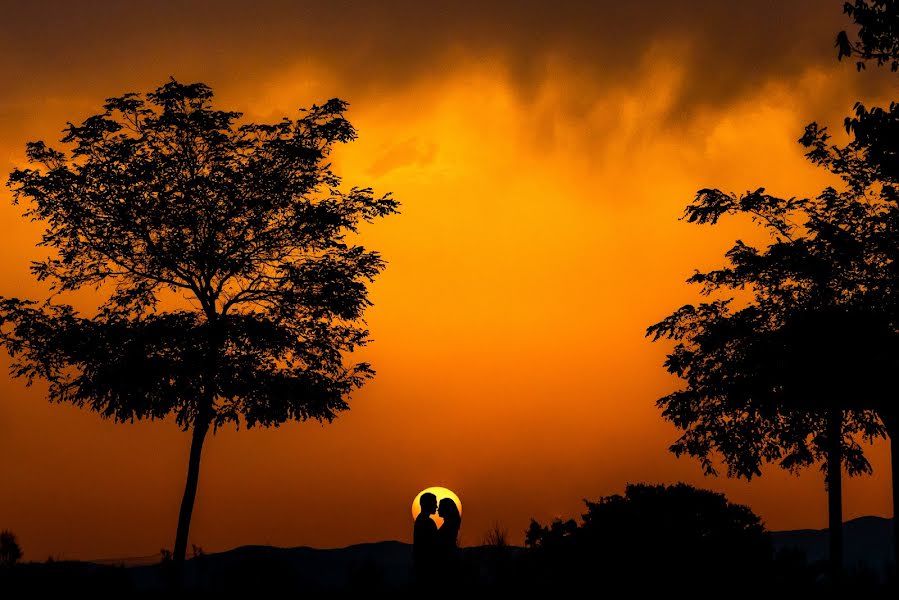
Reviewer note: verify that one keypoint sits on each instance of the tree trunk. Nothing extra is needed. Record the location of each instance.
(834, 481)
(190, 490)
(891, 423)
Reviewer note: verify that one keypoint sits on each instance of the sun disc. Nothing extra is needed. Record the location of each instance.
(441, 493)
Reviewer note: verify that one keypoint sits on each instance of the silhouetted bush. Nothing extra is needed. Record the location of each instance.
(10, 551)
(653, 535)
(496, 537)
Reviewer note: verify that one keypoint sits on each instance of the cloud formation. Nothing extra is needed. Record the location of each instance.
(728, 49)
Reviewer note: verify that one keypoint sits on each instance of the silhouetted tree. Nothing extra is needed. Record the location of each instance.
(226, 252)
(654, 534)
(869, 167)
(878, 33)
(790, 377)
(10, 551)
(818, 340)
(870, 164)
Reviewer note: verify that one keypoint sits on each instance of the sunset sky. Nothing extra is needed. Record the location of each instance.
(543, 153)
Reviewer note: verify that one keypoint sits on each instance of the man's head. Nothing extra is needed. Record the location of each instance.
(428, 503)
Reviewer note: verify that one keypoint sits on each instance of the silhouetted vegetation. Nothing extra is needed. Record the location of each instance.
(790, 376)
(805, 365)
(495, 567)
(676, 534)
(878, 33)
(672, 538)
(870, 166)
(10, 551)
(162, 194)
(496, 537)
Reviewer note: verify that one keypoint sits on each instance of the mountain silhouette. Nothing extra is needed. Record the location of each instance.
(382, 566)
(867, 543)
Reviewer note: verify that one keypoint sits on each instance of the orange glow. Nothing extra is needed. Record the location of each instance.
(538, 238)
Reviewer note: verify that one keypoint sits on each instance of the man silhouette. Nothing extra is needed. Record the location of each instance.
(424, 540)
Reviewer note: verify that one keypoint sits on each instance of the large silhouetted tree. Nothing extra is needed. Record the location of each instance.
(786, 370)
(232, 284)
(869, 167)
(870, 163)
(813, 356)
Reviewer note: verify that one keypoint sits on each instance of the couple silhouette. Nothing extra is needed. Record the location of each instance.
(433, 548)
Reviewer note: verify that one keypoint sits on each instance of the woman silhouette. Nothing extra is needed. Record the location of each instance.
(447, 540)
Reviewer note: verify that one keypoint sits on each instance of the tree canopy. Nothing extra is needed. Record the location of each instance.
(163, 193)
(878, 33)
(800, 359)
(653, 533)
(795, 337)
(226, 258)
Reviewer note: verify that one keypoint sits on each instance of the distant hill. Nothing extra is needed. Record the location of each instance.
(867, 543)
(380, 566)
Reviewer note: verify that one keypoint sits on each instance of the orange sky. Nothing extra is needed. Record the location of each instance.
(542, 158)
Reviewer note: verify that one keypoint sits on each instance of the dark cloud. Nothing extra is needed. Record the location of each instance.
(732, 46)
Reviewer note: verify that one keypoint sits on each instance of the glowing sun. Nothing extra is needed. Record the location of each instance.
(441, 493)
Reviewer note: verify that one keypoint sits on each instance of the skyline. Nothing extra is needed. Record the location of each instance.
(538, 237)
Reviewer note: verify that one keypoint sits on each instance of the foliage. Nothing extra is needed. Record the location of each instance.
(163, 194)
(797, 360)
(10, 551)
(878, 34)
(806, 335)
(819, 328)
(225, 255)
(654, 533)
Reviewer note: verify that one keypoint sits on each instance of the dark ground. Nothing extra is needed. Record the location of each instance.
(386, 567)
